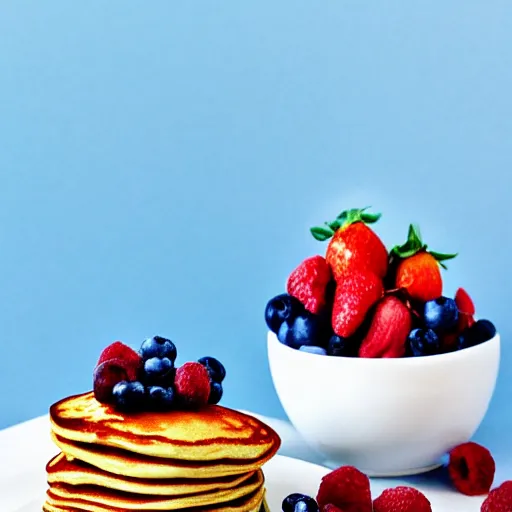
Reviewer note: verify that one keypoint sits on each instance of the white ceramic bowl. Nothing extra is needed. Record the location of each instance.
(387, 417)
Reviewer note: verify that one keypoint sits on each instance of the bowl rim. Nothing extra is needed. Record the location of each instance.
(403, 361)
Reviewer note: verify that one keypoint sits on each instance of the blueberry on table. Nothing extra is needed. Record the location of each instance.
(216, 393)
(312, 349)
(129, 396)
(297, 502)
(158, 347)
(479, 332)
(423, 342)
(282, 308)
(160, 398)
(440, 314)
(215, 368)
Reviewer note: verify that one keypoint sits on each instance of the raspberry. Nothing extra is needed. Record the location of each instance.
(464, 302)
(309, 283)
(499, 499)
(108, 374)
(118, 350)
(471, 469)
(346, 488)
(192, 384)
(450, 339)
(401, 499)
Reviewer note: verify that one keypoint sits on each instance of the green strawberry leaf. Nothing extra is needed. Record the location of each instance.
(370, 218)
(439, 256)
(413, 244)
(322, 233)
(345, 218)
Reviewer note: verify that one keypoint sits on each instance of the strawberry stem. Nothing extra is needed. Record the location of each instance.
(414, 244)
(344, 219)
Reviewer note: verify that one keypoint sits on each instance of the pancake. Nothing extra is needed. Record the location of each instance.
(210, 434)
(61, 471)
(52, 508)
(121, 462)
(128, 501)
(250, 503)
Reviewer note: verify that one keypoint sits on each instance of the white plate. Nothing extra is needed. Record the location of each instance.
(285, 475)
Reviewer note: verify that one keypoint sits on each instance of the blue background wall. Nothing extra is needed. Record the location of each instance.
(161, 163)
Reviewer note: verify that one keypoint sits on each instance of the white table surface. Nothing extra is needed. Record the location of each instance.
(26, 448)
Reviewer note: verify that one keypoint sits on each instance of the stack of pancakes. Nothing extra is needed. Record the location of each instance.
(206, 460)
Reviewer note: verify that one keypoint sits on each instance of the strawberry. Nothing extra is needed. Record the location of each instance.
(388, 332)
(354, 297)
(464, 302)
(418, 270)
(353, 246)
(309, 282)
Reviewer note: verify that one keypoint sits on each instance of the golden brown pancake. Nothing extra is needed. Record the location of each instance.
(250, 503)
(52, 508)
(121, 462)
(117, 499)
(75, 472)
(213, 433)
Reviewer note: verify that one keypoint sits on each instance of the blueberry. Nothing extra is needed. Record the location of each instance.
(157, 366)
(281, 308)
(341, 347)
(158, 347)
(423, 342)
(159, 371)
(440, 314)
(306, 329)
(216, 393)
(312, 349)
(299, 503)
(215, 368)
(161, 398)
(480, 331)
(129, 396)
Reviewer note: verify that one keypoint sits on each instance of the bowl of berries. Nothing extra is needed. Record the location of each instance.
(374, 365)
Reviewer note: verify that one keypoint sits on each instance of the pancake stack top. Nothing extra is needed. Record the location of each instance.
(208, 459)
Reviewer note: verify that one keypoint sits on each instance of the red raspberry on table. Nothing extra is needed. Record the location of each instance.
(401, 499)
(346, 488)
(499, 499)
(192, 384)
(309, 283)
(331, 508)
(108, 374)
(118, 350)
(471, 469)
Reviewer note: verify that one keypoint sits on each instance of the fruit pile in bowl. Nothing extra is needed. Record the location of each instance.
(362, 300)
(373, 364)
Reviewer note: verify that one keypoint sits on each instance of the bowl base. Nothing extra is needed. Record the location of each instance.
(387, 474)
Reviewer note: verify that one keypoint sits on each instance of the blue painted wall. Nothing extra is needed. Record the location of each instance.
(161, 163)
